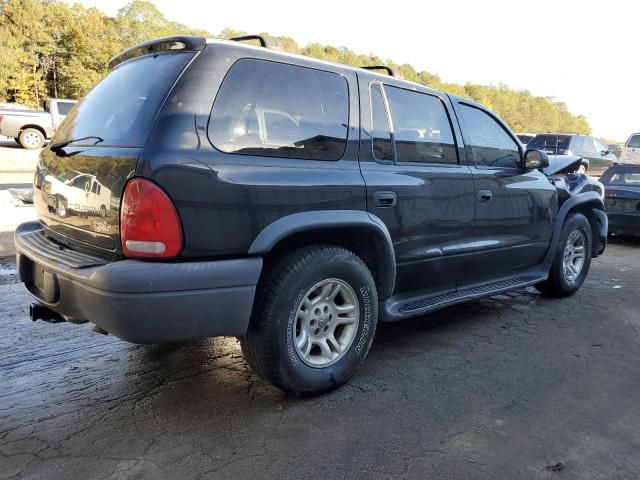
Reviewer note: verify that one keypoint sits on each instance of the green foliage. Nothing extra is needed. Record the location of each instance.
(49, 49)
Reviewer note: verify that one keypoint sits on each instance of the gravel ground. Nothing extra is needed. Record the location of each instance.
(516, 386)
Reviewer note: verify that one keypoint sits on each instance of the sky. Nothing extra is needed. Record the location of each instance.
(584, 53)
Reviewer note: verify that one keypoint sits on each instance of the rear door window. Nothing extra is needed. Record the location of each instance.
(122, 108)
(381, 134)
(490, 144)
(65, 107)
(280, 110)
(421, 127)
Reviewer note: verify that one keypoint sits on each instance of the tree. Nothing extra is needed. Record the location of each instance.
(48, 48)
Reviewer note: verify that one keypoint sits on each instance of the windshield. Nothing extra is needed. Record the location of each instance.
(121, 109)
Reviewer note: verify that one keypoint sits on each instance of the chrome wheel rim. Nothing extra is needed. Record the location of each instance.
(31, 139)
(326, 323)
(574, 255)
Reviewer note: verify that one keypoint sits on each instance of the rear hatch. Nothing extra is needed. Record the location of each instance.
(78, 186)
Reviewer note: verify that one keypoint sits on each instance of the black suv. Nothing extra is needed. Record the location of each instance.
(290, 202)
(596, 157)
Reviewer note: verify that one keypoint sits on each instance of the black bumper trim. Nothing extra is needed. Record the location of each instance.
(146, 302)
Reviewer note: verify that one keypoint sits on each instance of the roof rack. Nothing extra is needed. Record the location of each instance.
(391, 71)
(266, 42)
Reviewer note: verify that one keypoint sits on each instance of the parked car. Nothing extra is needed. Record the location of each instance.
(264, 195)
(631, 150)
(525, 138)
(597, 158)
(31, 128)
(622, 199)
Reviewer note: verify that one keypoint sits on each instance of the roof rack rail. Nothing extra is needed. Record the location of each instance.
(391, 71)
(266, 42)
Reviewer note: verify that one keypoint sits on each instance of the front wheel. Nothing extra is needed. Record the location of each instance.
(572, 259)
(313, 321)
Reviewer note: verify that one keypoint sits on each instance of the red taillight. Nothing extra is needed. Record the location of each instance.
(149, 224)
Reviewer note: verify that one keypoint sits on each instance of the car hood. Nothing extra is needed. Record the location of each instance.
(559, 164)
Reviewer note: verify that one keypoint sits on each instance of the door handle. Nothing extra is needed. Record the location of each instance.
(484, 196)
(385, 199)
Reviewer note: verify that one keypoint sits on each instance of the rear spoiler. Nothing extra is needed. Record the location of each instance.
(177, 43)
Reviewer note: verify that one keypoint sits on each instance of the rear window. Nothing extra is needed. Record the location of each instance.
(65, 107)
(634, 142)
(279, 110)
(550, 142)
(623, 179)
(525, 138)
(122, 108)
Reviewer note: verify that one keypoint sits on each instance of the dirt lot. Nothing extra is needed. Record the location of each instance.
(516, 386)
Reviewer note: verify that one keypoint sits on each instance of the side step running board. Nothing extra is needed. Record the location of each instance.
(397, 309)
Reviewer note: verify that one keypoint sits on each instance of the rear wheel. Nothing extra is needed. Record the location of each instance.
(313, 320)
(31, 138)
(572, 259)
(103, 211)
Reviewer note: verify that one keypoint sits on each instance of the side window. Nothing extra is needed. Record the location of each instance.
(634, 142)
(279, 110)
(94, 187)
(381, 134)
(421, 127)
(491, 145)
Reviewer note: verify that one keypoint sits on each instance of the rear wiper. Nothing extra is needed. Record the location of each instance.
(58, 145)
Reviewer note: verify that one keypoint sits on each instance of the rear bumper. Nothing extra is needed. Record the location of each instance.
(141, 302)
(624, 223)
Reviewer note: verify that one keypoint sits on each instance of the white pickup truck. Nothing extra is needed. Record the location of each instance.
(31, 128)
(77, 193)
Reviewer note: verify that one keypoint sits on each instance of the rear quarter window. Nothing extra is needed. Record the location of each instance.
(279, 110)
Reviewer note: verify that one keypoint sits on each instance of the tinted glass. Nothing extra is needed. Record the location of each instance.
(554, 144)
(421, 127)
(634, 142)
(381, 134)
(122, 108)
(277, 110)
(65, 107)
(491, 145)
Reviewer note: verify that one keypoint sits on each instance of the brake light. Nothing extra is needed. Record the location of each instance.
(149, 223)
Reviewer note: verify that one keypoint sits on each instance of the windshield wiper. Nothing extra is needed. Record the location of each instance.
(58, 145)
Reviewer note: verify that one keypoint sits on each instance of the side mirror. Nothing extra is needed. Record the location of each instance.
(605, 152)
(535, 160)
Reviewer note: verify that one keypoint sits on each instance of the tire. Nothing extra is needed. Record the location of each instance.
(61, 207)
(103, 211)
(563, 279)
(286, 305)
(31, 139)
